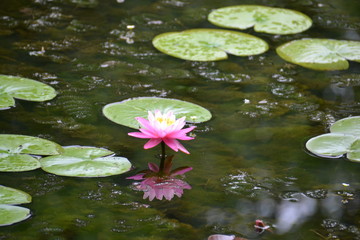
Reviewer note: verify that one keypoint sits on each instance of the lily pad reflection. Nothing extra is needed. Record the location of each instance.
(208, 44)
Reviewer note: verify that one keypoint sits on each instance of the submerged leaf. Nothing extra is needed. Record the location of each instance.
(320, 54)
(208, 44)
(263, 19)
(124, 112)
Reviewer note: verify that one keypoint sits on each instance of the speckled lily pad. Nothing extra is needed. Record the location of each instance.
(343, 139)
(124, 112)
(15, 152)
(320, 54)
(23, 88)
(263, 19)
(79, 161)
(208, 44)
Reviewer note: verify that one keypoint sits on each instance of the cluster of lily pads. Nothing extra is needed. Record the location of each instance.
(216, 44)
(343, 139)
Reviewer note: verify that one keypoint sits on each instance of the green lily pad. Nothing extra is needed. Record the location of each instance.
(330, 144)
(13, 196)
(12, 214)
(124, 112)
(343, 139)
(208, 44)
(23, 88)
(263, 19)
(77, 161)
(15, 150)
(320, 54)
(350, 125)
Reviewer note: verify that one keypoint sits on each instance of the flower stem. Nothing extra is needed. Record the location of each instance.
(162, 157)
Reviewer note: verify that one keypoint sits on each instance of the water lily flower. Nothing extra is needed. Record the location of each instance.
(161, 184)
(163, 128)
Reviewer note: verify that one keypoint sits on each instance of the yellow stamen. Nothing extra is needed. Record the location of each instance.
(167, 121)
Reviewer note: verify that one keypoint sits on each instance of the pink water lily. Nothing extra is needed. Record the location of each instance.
(161, 184)
(163, 128)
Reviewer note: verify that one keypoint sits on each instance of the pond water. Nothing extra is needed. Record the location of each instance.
(249, 160)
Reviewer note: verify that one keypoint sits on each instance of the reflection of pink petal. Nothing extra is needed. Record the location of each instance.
(221, 237)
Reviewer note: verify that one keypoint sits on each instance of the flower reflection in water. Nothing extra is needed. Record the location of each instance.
(162, 184)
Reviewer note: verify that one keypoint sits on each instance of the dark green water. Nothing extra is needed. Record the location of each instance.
(249, 161)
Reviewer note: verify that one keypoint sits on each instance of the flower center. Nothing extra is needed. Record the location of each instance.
(166, 121)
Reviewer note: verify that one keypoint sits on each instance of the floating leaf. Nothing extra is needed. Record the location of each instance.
(14, 150)
(77, 161)
(124, 112)
(320, 54)
(13, 196)
(208, 44)
(23, 88)
(343, 139)
(12, 214)
(263, 19)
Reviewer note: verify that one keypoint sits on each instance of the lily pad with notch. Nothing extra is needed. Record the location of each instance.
(208, 44)
(82, 161)
(23, 88)
(124, 112)
(10, 214)
(20, 153)
(320, 54)
(262, 18)
(343, 139)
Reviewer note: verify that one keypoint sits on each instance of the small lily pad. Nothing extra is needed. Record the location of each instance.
(124, 112)
(343, 139)
(208, 44)
(12, 214)
(15, 150)
(78, 161)
(263, 19)
(23, 88)
(320, 54)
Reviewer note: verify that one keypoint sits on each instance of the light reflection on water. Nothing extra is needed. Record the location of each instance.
(249, 160)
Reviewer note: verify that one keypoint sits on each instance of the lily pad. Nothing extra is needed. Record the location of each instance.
(23, 88)
(12, 214)
(320, 54)
(208, 44)
(79, 161)
(263, 19)
(343, 139)
(15, 150)
(124, 112)
(13, 196)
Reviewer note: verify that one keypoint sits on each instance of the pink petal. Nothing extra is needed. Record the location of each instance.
(152, 143)
(137, 176)
(138, 135)
(171, 143)
(182, 148)
(145, 123)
